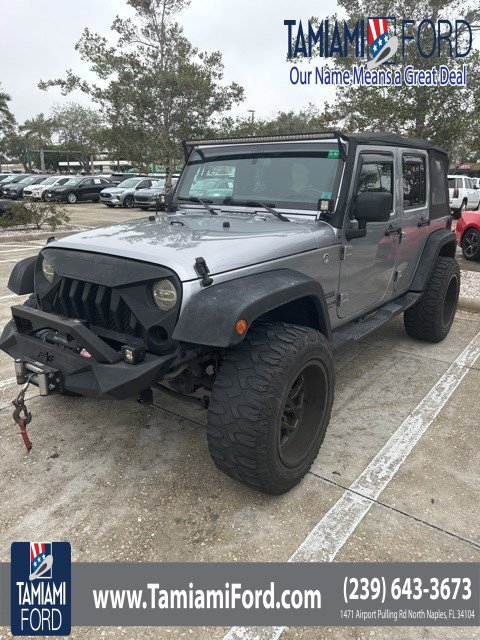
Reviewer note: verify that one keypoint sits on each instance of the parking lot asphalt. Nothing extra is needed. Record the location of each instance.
(125, 482)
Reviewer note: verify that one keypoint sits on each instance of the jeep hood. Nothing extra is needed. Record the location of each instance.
(175, 241)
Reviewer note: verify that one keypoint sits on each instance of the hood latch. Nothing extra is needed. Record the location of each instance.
(203, 271)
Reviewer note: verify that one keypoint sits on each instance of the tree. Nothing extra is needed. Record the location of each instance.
(38, 130)
(445, 115)
(77, 127)
(307, 119)
(7, 120)
(153, 85)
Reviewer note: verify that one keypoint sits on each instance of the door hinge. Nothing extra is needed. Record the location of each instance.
(398, 275)
(345, 251)
(341, 298)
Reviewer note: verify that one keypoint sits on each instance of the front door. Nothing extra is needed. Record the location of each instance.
(368, 264)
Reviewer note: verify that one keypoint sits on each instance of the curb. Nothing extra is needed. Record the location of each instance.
(469, 304)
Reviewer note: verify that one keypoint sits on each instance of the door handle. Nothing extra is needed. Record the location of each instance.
(423, 223)
(391, 231)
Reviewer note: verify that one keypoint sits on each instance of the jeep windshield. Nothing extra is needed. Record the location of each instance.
(284, 175)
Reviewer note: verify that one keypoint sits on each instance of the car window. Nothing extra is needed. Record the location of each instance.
(414, 182)
(87, 183)
(376, 176)
(128, 184)
(62, 181)
(73, 181)
(437, 182)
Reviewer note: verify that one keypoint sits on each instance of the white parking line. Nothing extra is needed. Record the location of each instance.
(19, 249)
(7, 383)
(327, 538)
(13, 295)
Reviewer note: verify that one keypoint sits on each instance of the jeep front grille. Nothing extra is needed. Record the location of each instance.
(101, 306)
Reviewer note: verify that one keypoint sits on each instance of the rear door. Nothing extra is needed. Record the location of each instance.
(414, 216)
(85, 189)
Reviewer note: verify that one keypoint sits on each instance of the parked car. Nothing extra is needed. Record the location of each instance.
(11, 179)
(243, 305)
(79, 188)
(464, 194)
(147, 198)
(212, 188)
(36, 191)
(123, 195)
(467, 232)
(14, 190)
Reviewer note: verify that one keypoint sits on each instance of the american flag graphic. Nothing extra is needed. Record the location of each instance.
(377, 35)
(39, 553)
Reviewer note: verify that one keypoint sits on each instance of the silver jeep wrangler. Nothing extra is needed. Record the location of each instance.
(239, 299)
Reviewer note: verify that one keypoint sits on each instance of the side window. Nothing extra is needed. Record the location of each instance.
(86, 183)
(376, 176)
(144, 184)
(439, 185)
(414, 182)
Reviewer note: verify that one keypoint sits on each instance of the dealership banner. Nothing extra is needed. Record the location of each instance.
(42, 594)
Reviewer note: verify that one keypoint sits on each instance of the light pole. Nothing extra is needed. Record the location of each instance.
(252, 116)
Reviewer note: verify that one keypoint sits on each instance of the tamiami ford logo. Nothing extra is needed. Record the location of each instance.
(40, 582)
(375, 45)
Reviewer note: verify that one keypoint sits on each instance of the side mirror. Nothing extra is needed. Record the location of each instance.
(370, 206)
(373, 206)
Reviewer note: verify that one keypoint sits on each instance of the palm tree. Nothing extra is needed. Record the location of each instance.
(7, 119)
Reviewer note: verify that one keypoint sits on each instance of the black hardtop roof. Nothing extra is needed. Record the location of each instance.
(369, 137)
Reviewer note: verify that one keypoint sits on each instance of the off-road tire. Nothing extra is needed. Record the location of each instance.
(431, 318)
(471, 244)
(247, 404)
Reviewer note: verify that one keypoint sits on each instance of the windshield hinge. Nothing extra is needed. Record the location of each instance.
(203, 271)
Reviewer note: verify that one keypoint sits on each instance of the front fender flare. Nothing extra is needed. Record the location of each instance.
(209, 317)
(21, 279)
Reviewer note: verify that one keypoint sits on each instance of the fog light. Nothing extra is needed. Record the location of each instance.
(133, 355)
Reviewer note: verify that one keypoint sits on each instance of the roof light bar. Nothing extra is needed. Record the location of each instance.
(188, 145)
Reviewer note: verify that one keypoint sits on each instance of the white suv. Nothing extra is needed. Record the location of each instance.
(464, 193)
(36, 191)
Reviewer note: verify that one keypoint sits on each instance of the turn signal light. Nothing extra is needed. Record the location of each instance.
(241, 327)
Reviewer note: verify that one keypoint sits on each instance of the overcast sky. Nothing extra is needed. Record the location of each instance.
(38, 39)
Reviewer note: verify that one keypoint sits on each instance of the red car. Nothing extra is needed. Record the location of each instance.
(468, 234)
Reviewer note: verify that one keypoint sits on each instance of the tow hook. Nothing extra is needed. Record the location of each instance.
(21, 416)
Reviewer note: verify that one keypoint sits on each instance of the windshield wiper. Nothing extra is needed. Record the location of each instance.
(256, 203)
(204, 203)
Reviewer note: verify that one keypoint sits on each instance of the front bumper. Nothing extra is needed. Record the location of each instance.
(104, 374)
(114, 200)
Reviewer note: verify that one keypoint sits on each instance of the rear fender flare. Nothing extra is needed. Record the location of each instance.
(439, 243)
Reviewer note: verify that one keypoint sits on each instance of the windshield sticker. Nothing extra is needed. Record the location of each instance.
(326, 195)
(333, 154)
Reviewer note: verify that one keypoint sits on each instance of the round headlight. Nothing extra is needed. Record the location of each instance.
(164, 294)
(48, 271)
